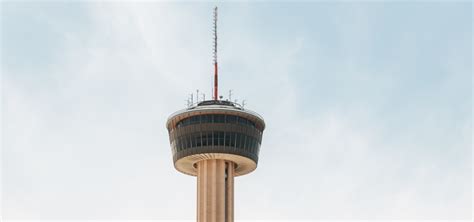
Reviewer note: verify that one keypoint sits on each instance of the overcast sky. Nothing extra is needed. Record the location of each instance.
(368, 108)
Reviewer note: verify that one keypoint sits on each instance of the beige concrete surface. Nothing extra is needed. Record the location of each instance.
(215, 191)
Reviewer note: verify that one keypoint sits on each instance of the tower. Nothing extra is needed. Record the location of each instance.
(215, 140)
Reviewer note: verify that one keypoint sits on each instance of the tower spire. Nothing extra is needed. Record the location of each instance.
(215, 56)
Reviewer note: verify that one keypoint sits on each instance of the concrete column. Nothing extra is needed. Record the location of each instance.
(215, 192)
(230, 192)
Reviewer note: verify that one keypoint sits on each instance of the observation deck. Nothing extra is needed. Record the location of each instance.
(215, 129)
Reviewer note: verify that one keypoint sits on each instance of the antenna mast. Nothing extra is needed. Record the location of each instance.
(215, 54)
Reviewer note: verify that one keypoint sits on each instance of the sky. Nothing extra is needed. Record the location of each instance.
(368, 107)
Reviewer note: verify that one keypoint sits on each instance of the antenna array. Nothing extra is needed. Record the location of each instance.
(215, 92)
(215, 55)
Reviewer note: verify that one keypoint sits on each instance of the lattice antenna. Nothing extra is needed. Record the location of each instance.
(215, 55)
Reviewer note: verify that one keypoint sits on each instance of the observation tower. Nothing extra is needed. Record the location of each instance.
(215, 140)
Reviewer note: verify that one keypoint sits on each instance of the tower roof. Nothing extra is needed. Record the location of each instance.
(215, 107)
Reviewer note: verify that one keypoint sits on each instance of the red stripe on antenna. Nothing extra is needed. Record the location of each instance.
(215, 81)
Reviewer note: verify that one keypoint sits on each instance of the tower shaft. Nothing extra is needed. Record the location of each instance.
(215, 188)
